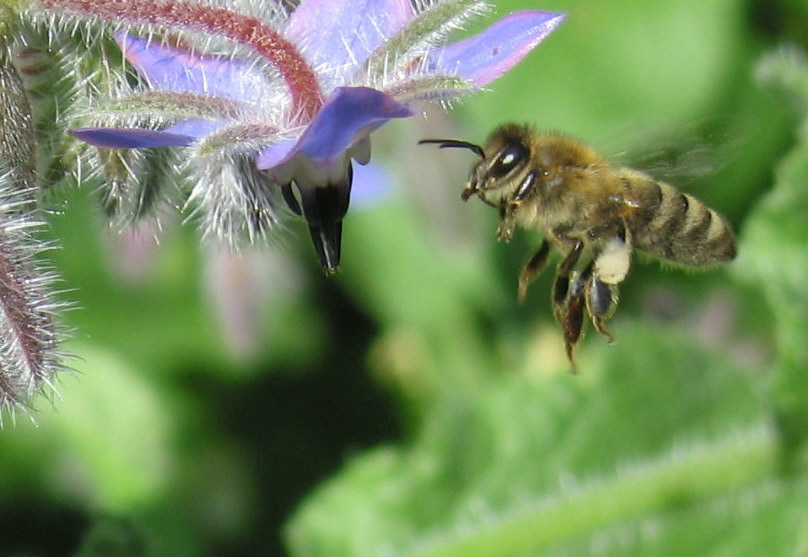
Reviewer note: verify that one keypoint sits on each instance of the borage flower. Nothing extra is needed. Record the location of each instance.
(289, 110)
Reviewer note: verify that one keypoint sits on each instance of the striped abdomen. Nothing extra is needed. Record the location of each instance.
(676, 226)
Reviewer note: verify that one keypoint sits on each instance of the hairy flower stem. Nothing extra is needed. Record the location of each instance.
(17, 142)
(307, 98)
(17, 139)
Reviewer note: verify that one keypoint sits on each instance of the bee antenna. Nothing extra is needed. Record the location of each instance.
(444, 143)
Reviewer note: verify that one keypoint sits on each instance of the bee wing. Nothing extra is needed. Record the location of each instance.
(687, 157)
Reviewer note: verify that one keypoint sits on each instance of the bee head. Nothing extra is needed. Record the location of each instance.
(496, 177)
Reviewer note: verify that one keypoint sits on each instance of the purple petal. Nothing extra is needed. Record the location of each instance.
(275, 154)
(349, 114)
(486, 56)
(195, 128)
(169, 68)
(345, 32)
(123, 138)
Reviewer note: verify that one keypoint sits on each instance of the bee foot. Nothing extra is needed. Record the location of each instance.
(599, 326)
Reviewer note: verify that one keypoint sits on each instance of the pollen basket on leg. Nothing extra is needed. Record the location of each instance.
(613, 261)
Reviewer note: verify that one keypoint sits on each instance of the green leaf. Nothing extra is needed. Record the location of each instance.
(653, 424)
(620, 72)
(774, 254)
(107, 440)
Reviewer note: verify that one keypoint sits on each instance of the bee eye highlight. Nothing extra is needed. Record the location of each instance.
(511, 156)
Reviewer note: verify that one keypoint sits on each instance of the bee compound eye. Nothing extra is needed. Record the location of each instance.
(509, 158)
(525, 187)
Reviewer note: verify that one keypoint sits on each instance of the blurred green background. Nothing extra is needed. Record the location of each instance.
(249, 405)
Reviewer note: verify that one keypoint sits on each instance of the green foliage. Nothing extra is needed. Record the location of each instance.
(526, 465)
(669, 444)
(409, 405)
(775, 257)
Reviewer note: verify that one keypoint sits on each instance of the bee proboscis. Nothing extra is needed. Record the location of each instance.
(593, 212)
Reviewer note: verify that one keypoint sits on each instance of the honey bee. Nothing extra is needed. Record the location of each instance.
(594, 213)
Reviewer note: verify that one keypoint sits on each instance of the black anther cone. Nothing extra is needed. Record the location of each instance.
(324, 207)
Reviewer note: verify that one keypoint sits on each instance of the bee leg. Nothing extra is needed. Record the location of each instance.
(568, 300)
(601, 302)
(572, 319)
(532, 269)
(561, 286)
(507, 224)
(607, 269)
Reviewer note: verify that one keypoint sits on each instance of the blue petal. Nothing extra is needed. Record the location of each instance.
(275, 154)
(486, 56)
(195, 128)
(125, 138)
(349, 114)
(169, 68)
(336, 33)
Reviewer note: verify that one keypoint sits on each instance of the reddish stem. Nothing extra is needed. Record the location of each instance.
(301, 79)
(23, 321)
